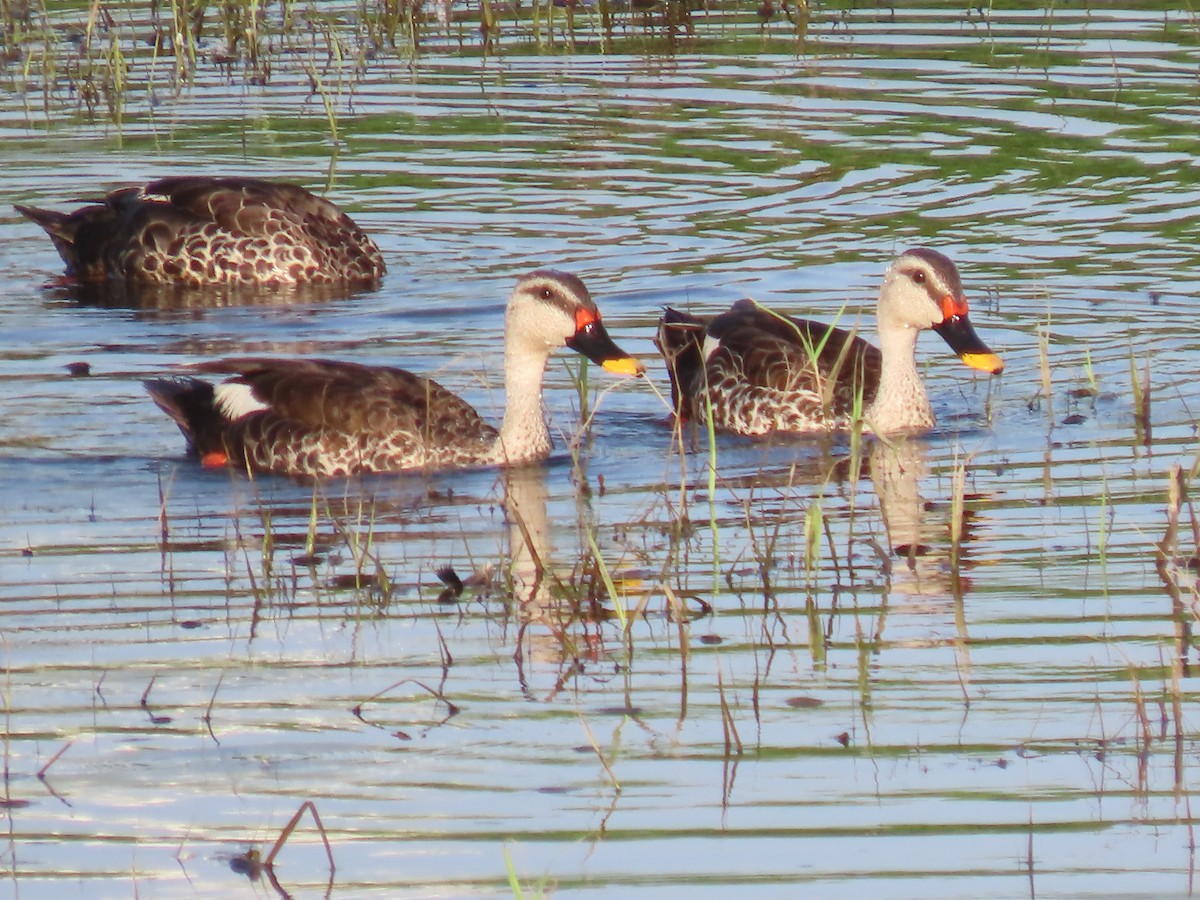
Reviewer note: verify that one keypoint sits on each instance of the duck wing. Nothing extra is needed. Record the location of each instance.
(316, 416)
(772, 372)
(282, 231)
(197, 231)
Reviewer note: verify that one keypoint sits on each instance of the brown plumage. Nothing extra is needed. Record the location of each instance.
(196, 231)
(316, 417)
(759, 371)
(757, 357)
(324, 417)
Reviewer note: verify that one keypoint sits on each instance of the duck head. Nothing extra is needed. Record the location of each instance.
(550, 309)
(922, 289)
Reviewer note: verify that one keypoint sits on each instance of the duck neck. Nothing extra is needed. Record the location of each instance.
(901, 403)
(523, 433)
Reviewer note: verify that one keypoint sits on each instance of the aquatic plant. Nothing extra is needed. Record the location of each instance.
(1141, 398)
(99, 57)
(1047, 389)
(514, 881)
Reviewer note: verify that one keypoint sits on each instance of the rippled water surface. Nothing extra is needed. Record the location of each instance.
(775, 702)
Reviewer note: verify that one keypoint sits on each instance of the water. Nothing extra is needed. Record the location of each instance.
(813, 716)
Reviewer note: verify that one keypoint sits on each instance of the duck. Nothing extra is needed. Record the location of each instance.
(761, 372)
(198, 231)
(323, 417)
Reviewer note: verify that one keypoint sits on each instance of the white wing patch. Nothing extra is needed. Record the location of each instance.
(711, 346)
(233, 400)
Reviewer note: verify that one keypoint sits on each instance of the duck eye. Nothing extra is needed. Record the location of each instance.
(919, 277)
(546, 293)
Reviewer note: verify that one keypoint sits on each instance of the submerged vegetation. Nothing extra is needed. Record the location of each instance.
(101, 57)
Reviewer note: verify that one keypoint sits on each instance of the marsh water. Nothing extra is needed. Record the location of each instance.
(674, 670)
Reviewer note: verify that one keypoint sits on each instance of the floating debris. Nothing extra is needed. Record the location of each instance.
(248, 864)
(804, 702)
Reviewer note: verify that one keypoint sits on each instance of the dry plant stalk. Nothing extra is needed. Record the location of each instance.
(41, 774)
(1166, 557)
(452, 709)
(1141, 399)
(1044, 368)
(1168, 548)
(612, 776)
(733, 741)
(291, 826)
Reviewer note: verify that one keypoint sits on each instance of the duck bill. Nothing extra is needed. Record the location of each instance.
(959, 333)
(593, 342)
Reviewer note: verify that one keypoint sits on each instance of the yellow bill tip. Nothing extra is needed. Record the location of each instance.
(985, 362)
(625, 365)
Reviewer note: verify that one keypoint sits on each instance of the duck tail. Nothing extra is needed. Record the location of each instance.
(680, 340)
(191, 404)
(62, 228)
(59, 226)
(50, 220)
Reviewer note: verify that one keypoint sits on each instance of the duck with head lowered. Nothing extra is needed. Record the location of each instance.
(758, 372)
(319, 417)
(198, 231)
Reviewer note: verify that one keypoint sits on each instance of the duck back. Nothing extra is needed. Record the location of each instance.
(760, 371)
(197, 230)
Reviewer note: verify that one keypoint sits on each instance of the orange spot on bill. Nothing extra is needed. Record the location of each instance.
(214, 459)
(953, 306)
(584, 318)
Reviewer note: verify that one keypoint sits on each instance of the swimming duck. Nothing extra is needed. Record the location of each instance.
(196, 230)
(314, 417)
(762, 372)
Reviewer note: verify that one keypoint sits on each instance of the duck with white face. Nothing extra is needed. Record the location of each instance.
(317, 417)
(760, 372)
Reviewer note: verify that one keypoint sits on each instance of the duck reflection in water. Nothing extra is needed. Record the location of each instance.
(921, 550)
(932, 579)
(933, 553)
(150, 300)
(562, 611)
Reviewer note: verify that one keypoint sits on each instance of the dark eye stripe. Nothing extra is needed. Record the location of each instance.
(560, 290)
(938, 269)
(929, 281)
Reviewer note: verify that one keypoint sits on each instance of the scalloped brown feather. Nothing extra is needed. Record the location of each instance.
(327, 417)
(769, 372)
(197, 230)
(315, 417)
